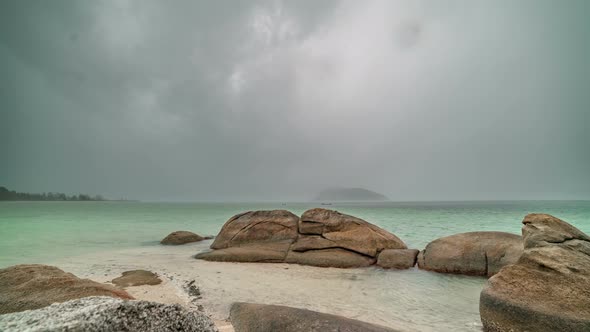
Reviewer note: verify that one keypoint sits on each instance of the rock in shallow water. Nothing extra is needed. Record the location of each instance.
(321, 237)
(26, 287)
(548, 289)
(397, 258)
(472, 253)
(106, 314)
(181, 237)
(250, 317)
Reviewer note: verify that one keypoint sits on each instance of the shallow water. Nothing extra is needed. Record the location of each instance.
(97, 238)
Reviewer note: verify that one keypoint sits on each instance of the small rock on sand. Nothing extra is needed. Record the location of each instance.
(137, 278)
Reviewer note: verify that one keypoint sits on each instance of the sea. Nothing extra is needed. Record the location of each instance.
(412, 300)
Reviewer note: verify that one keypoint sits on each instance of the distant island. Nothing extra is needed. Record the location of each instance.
(11, 195)
(349, 195)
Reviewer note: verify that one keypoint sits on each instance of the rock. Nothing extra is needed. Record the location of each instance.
(321, 238)
(269, 252)
(25, 287)
(329, 258)
(473, 253)
(105, 314)
(181, 237)
(397, 258)
(257, 226)
(137, 278)
(548, 288)
(250, 317)
(343, 231)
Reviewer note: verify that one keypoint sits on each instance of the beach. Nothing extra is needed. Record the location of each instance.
(407, 300)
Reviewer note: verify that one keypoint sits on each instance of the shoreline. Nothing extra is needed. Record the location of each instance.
(409, 300)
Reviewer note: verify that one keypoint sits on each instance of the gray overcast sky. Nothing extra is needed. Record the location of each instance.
(276, 100)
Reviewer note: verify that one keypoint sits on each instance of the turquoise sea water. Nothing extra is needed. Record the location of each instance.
(85, 238)
(37, 232)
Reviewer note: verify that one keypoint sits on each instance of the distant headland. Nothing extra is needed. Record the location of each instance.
(349, 195)
(11, 195)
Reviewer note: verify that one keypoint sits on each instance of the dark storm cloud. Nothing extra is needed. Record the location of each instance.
(219, 100)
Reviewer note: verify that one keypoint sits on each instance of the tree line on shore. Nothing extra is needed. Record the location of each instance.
(11, 195)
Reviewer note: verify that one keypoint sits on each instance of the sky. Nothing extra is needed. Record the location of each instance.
(277, 100)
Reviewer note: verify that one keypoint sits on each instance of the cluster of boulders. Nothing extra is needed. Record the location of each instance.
(538, 282)
(548, 288)
(327, 238)
(320, 237)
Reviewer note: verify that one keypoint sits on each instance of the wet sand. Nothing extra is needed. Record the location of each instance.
(410, 300)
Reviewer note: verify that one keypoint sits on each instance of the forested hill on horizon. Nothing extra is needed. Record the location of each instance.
(11, 195)
(350, 195)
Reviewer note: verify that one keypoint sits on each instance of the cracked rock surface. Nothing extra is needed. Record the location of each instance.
(548, 289)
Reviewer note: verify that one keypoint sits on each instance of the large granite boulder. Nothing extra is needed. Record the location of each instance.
(26, 287)
(137, 278)
(181, 237)
(257, 226)
(397, 258)
(473, 253)
(548, 289)
(323, 228)
(250, 317)
(105, 314)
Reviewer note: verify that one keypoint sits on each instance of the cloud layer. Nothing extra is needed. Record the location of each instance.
(275, 100)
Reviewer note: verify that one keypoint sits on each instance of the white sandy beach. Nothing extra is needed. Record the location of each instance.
(405, 300)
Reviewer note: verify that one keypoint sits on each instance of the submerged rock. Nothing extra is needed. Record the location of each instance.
(548, 289)
(320, 238)
(473, 253)
(182, 237)
(257, 226)
(25, 287)
(250, 317)
(397, 258)
(105, 314)
(137, 278)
